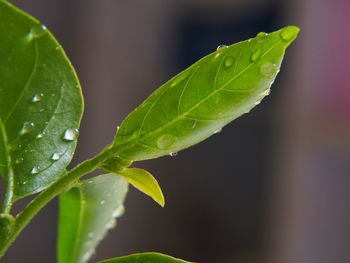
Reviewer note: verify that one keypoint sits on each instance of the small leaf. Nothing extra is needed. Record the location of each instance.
(85, 215)
(145, 182)
(40, 104)
(150, 257)
(202, 99)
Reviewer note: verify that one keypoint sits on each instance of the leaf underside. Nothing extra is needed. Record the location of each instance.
(203, 98)
(40, 100)
(145, 182)
(150, 257)
(85, 215)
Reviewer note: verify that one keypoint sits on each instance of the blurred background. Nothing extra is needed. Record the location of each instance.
(273, 186)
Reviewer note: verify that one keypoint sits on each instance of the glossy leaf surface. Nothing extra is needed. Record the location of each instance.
(204, 98)
(40, 103)
(85, 215)
(145, 258)
(145, 182)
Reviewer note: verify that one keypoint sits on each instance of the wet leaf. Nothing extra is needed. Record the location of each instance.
(204, 98)
(40, 104)
(85, 215)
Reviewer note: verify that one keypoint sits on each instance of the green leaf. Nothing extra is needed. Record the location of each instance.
(85, 215)
(150, 257)
(203, 98)
(145, 182)
(40, 104)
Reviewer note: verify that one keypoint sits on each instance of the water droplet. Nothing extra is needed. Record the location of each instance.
(190, 123)
(71, 134)
(165, 141)
(255, 55)
(24, 183)
(266, 92)
(55, 156)
(221, 47)
(111, 224)
(219, 50)
(90, 235)
(119, 211)
(173, 154)
(180, 78)
(27, 126)
(37, 31)
(40, 135)
(37, 97)
(35, 170)
(288, 33)
(228, 62)
(103, 202)
(260, 37)
(217, 131)
(267, 69)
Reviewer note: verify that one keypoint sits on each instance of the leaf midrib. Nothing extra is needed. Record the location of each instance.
(130, 144)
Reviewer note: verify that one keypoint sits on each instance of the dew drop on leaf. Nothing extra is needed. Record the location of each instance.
(55, 156)
(37, 31)
(35, 170)
(165, 141)
(221, 47)
(40, 135)
(255, 55)
(119, 211)
(102, 202)
(217, 131)
(173, 154)
(26, 128)
(287, 34)
(267, 92)
(37, 97)
(228, 62)
(190, 124)
(70, 134)
(268, 69)
(260, 37)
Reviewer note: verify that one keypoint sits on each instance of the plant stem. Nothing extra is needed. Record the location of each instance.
(62, 185)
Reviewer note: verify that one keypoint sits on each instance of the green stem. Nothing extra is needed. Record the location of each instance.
(63, 184)
(9, 193)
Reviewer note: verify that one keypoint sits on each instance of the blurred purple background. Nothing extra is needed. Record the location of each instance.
(273, 186)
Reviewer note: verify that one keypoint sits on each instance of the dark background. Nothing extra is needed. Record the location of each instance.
(272, 187)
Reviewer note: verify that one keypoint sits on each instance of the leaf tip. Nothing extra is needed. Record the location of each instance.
(161, 200)
(289, 33)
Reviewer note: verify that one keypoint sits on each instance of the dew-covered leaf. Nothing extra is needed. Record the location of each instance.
(202, 99)
(85, 215)
(145, 182)
(150, 257)
(40, 104)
